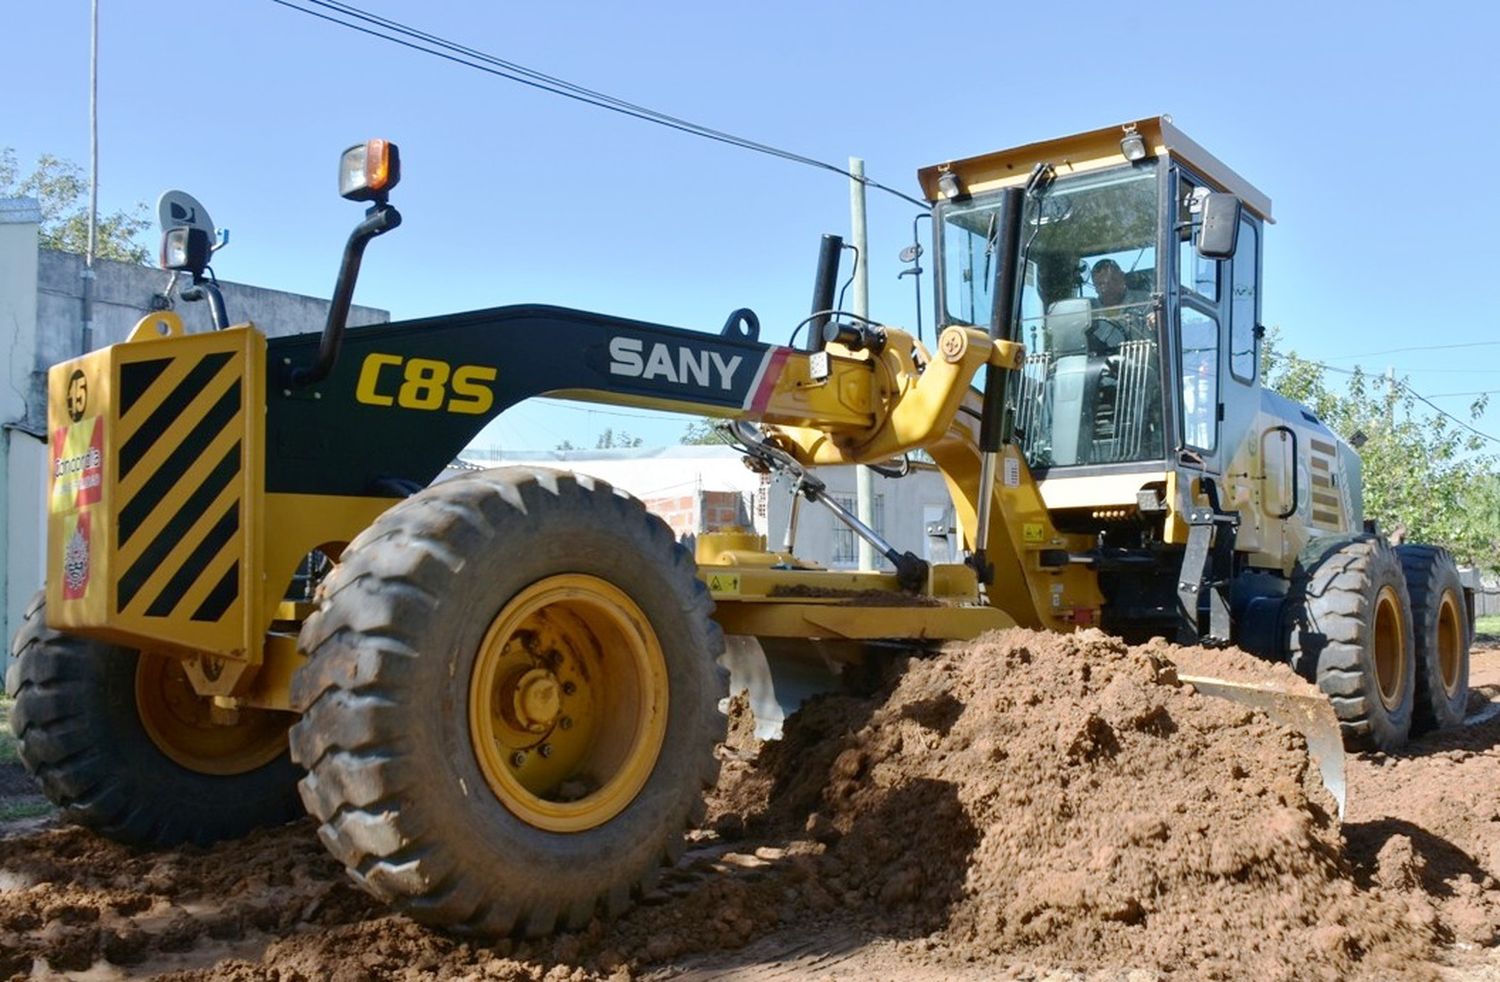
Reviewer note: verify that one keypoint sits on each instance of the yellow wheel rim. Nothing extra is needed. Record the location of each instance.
(1390, 647)
(1450, 642)
(185, 726)
(568, 703)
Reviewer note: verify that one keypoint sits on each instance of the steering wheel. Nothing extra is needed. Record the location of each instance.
(1105, 335)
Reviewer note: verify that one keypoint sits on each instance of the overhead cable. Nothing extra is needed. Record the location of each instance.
(352, 17)
(1425, 347)
(1402, 384)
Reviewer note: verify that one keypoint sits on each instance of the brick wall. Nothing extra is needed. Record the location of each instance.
(700, 511)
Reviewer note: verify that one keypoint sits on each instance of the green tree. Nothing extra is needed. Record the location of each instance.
(702, 431)
(608, 440)
(62, 191)
(1423, 472)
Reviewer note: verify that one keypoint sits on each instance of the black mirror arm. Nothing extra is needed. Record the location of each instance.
(209, 290)
(381, 218)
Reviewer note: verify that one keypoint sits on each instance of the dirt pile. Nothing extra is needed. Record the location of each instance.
(1023, 800)
(1065, 799)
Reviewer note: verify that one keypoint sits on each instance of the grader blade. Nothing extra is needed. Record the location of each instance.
(1308, 713)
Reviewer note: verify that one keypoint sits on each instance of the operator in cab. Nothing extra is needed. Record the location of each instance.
(1112, 324)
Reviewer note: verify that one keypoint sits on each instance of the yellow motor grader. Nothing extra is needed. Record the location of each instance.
(498, 694)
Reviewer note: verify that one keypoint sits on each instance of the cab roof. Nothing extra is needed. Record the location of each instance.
(1093, 150)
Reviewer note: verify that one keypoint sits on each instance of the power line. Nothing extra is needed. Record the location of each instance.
(1425, 347)
(579, 407)
(1444, 412)
(1402, 383)
(439, 47)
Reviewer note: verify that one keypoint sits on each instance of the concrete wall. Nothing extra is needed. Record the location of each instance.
(124, 292)
(41, 318)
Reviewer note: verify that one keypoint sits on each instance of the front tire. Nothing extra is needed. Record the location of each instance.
(511, 702)
(121, 744)
(1351, 634)
(1441, 631)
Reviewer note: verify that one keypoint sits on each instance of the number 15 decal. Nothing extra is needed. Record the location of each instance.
(425, 383)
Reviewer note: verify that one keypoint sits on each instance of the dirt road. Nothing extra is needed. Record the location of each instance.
(1029, 806)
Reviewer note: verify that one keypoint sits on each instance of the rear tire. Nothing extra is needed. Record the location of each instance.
(451, 641)
(1440, 629)
(1351, 634)
(119, 744)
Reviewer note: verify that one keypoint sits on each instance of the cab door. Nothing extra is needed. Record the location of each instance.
(1201, 287)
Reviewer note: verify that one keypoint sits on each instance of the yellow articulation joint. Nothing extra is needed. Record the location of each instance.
(922, 405)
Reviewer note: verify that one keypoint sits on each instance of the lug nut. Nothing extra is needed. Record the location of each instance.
(518, 758)
(566, 722)
(569, 688)
(545, 750)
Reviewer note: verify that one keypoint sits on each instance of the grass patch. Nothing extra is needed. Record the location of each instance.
(31, 806)
(13, 806)
(1488, 627)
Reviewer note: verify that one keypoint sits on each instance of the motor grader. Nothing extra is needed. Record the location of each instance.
(498, 695)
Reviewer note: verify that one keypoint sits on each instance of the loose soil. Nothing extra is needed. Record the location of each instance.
(1025, 806)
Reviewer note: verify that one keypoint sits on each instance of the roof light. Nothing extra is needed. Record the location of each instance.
(948, 185)
(369, 170)
(1133, 145)
(185, 248)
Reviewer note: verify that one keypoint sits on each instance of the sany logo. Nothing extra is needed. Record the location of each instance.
(705, 368)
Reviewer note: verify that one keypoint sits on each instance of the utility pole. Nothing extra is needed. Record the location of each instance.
(1390, 396)
(864, 478)
(86, 340)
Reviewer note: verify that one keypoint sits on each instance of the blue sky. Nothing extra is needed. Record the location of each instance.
(1371, 127)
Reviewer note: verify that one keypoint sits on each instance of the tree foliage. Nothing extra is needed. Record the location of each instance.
(701, 432)
(1424, 473)
(62, 192)
(608, 440)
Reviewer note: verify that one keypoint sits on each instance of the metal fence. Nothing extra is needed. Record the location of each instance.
(1486, 592)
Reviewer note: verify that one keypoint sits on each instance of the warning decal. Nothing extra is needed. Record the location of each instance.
(728, 583)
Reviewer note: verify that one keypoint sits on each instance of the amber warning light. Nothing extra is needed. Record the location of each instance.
(369, 170)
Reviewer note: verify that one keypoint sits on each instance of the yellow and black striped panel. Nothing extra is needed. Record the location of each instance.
(180, 508)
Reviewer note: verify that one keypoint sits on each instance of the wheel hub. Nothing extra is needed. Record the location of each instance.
(1389, 648)
(534, 700)
(1450, 643)
(197, 734)
(568, 703)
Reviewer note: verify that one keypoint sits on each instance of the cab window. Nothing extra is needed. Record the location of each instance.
(1244, 304)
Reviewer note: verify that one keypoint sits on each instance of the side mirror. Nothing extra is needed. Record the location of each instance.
(1219, 227)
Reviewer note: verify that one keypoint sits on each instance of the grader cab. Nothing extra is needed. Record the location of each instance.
(498, 695)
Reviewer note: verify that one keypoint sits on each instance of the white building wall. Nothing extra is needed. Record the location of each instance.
(25, 525)
(20, 463)
(909, 504)
(905, 507)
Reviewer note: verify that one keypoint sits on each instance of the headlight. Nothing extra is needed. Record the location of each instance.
(185, 248)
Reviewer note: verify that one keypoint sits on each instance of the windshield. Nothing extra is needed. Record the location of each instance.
(1091, 389)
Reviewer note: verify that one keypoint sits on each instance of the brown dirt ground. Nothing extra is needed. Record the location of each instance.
(1024, 806)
